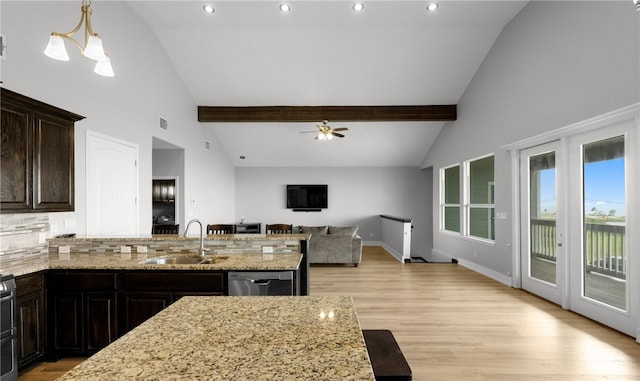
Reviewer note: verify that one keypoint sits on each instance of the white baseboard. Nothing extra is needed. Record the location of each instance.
(444, 257)
(387, 248)
(393, 252)
(439, 256)
(506, 280)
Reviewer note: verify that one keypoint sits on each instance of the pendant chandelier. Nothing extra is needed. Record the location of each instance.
(92, 47)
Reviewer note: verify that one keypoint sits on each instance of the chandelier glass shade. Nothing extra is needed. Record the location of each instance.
(92, 47)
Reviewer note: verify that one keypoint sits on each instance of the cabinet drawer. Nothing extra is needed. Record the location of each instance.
(85, 281)
(172, 281)
(27, 284)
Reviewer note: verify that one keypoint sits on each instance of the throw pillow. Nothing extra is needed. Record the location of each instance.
(343, 230)
(313, 230)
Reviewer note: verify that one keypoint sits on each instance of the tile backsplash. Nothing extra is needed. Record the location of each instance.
(23, 240)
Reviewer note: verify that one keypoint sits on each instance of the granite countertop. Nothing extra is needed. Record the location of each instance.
(176, 237)
(238, 338)
(118, 261)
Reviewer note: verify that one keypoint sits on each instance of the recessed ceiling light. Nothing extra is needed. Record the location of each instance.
(208, 8)
(285, 7)
(432, 7)
(358, 7)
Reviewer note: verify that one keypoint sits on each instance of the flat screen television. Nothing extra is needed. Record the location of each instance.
(307, 197)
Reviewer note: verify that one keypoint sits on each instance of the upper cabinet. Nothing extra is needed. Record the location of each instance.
(164, 190)
(37, 163)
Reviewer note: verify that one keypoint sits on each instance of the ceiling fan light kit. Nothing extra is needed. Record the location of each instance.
(326, 132)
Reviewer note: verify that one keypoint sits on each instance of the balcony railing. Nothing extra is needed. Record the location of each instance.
(604, 245)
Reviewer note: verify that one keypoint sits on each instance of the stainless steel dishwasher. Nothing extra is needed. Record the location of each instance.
(258, 283)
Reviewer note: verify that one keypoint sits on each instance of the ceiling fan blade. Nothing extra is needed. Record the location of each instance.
(337, 134)
(341, 129)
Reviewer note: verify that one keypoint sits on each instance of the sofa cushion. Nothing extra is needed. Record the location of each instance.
(343, 230)
(314, 230)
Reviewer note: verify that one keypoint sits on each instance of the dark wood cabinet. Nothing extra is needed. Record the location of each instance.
(82, 312)
(137, 307)
(143, 294)
(87, 310)
(30, 316)
(164, 190)
(37, 155)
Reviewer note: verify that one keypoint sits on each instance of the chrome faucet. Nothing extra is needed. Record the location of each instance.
(186, 231)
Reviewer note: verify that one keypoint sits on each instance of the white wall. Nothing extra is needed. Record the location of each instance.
(357, 196)
(127, 107)
(555, 63)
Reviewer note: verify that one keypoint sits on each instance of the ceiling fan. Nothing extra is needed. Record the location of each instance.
(326, 132)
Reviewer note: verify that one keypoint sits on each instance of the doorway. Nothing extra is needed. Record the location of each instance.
(577, 195)
(168, 181)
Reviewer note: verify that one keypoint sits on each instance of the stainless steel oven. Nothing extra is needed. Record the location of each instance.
(8, 329)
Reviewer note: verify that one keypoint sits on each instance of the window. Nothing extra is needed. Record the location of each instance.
(479, 200)
(450, 199)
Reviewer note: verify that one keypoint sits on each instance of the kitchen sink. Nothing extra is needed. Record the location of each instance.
(182, 260)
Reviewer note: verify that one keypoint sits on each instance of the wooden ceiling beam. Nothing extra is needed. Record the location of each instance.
(256, 114)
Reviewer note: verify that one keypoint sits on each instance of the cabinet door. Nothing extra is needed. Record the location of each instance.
(100, 320)
(30, 332)
(137, 307)
(15, 162)
(164, 190)
(30, 318)
(53, 167)
(66, 322)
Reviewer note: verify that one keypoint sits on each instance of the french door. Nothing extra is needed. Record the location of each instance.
(579, 224)
(604, 226)
(542, 222)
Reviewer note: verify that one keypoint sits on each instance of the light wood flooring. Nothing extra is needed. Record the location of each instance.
(454, 324)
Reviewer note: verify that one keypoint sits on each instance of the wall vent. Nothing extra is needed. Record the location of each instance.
(207, 145)
(164, 124)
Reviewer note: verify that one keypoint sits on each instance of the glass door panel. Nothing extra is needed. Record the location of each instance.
(542, 217)
(542, 263)
(604, 259)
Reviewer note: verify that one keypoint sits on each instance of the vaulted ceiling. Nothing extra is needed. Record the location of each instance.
(323, 53)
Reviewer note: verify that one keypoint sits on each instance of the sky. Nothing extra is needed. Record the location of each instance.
(603, 187)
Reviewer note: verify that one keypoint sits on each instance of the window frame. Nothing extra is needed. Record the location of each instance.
(444, 204)
(468, 206)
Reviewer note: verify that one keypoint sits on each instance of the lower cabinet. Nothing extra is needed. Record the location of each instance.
(137, 307)
(82, 312)
(30, 317)
(89, 310)
(143, 294)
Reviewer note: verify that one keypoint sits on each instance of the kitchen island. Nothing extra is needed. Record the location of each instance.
(238, 338)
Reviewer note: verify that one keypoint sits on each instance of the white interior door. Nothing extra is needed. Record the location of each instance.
(112, 186)
(543, 263)
(604, 226)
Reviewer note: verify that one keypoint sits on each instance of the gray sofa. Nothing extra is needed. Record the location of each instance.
(334, 244)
